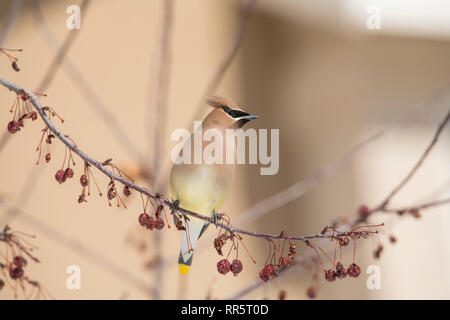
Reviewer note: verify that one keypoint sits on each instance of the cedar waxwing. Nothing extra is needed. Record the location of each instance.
(202, 188)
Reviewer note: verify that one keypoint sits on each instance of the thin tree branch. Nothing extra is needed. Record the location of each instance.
(114, 177)
(417, 165)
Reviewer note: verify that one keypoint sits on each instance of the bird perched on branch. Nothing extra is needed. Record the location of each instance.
(202, 186)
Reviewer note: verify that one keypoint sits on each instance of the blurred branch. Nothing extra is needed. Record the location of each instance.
(225, 64)
(86, 90)
(158, 116)
(81, 249)
(14, 11)
(62, 52)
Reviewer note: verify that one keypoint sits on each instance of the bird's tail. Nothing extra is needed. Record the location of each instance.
(189, 239)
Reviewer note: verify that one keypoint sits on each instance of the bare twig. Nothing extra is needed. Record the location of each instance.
(419, 163)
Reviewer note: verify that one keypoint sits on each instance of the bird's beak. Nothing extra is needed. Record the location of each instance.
(249, 117)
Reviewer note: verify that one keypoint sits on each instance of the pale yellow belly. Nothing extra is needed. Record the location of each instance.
(201, 188)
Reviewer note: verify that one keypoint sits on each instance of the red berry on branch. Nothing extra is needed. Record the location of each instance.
(159, 223)
(311, 292)
(341, 273)
(19, 261)
(33, 115)
(48, 157)
(13, 127)
(236, 267)
(363, 211)
(264, 276)
(150, 223)
(84, 180)
(143, 217)
(126, 191)
(69, 173)
(271, 270)
(353, 270)
(223, 266)
(60, 176)
(16, 273)
(330, 275)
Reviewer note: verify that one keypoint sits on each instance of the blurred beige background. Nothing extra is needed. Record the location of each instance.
(310, 68)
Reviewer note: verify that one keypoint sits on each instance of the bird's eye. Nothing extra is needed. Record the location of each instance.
(234, 113)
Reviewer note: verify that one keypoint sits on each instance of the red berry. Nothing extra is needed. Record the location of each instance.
(311, 292)
(330, 275)
(60, 176)
(150, 223)
(16, 273)
(143, 219)
(271, 270)
(2, 284)
(69, 173)
(126, 191)
(236, 267)
(19, 261)
(84, 180)
(33, 115)
(159, 223)
(341, 273)
(13, 127)
(48, 157)
(363, 211)
(353, 270)
(264, 276)
(223, 266)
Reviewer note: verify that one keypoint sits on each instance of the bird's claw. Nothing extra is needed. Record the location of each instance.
(215, 218)
(174, 206)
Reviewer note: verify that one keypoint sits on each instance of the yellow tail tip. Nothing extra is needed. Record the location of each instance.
(183, 268)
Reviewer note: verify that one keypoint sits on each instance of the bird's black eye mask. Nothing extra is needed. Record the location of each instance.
(234, 113)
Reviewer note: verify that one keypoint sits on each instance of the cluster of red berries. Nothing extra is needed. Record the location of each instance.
(271, 270)
(150, 222)
(268, 272)
(16, 269)
(22, 110)
(224, 266)
(353, 271)
(61, 175)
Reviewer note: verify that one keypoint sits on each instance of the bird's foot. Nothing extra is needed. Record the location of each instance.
(174, 206)
(216, 218)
